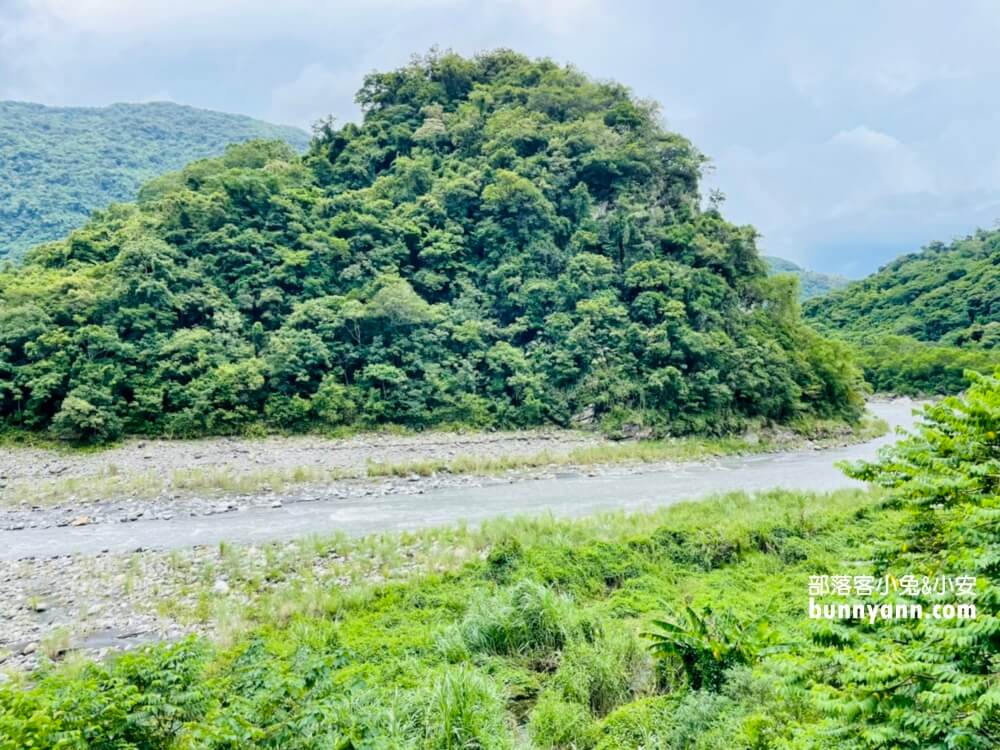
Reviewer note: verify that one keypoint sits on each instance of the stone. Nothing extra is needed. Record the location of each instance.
(632, 431)
(80, 521)
(220, 586)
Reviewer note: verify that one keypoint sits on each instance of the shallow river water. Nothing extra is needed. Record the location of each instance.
(568, 494)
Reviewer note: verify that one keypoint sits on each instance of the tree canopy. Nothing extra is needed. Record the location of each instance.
(501, 241)
(57, 164)
(946, 294)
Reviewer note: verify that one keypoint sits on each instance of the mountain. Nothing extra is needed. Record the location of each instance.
(500, 242)
(919, 323)
(59, 164)
(811, 283)
(944, 294)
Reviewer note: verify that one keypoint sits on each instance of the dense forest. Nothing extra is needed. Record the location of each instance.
(811, 283)
(57, 164)
(945, 294)
(501, 241)
(686, 630)
(923, 319)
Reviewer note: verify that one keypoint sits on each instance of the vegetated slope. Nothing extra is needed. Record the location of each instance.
(544, 639)
(57, 164)
(923, 319)
(811, 283)
(501, 242)
(945, 294)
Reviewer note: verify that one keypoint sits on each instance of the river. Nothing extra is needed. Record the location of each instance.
(568, 494)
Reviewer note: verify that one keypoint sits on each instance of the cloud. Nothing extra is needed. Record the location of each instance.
(317, 91)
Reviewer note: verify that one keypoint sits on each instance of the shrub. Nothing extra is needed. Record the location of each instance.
(527, 618)
(706, 645)
(87, 416)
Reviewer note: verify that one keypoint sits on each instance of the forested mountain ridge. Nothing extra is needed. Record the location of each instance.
(811, 283)
(501, 241)
(945, 294)
(57, 164)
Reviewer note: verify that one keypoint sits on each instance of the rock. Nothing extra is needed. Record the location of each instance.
(584, 418)
(29, 649)
(80, 521)
(751, 438)
(276, 504)
(632, 431)
(220, 586)
(40, 606)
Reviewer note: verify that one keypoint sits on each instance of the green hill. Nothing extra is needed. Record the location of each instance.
(501, 242)
(946, 294)
(59, 164)
(811, 283)
(923, 319)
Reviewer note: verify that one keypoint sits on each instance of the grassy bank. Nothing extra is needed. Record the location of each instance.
(528, 634)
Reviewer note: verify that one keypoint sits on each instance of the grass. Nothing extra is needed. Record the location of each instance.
(521, 633)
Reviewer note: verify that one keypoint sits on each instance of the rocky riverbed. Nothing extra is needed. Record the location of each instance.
(163, 479)
(58, 604)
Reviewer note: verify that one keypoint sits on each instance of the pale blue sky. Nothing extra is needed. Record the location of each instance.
(846, 132)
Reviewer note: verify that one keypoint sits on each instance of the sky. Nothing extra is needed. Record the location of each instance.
(846, 132)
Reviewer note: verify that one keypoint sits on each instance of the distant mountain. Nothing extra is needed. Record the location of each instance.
(57, 164)
(944, 294)
(811, 283)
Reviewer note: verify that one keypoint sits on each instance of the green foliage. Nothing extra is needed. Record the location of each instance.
(527, 619)
(811, 283)
(945, 294)
(923, 319)
(59, 164)
(905, 366)
(932, 683)
(707, 645)
(606, 672)
(463, 711)
(501, 242)
(557, 724)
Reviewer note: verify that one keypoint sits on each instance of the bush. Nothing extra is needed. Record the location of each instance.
(87, 416)
(526, 619)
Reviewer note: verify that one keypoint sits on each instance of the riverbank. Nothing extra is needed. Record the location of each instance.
(550, 615)
(163, 479)
(58, 604)
(87, 606)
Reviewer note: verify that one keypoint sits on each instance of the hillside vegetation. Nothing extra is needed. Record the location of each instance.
(501, 242)
(945, 294)
(683, 630)
(57, 165)
(923, 319)
(811, 283)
